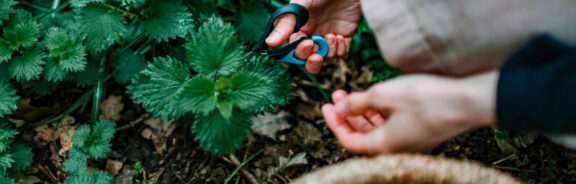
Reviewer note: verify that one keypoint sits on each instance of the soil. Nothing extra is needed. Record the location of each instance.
(170, 155)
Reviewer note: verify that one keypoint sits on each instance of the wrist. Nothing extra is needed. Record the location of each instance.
(480, 95)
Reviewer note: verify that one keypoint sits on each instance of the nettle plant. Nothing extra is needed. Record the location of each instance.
(217, 84)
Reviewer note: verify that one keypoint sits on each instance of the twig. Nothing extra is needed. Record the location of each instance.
(512, 169)
(504, 159)
(239, 166)
(133, 123)
(48, 173)
(315, 82)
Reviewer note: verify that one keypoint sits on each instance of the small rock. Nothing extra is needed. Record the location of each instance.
(113, 166)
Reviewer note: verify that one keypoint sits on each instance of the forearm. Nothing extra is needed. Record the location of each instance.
(465, 36)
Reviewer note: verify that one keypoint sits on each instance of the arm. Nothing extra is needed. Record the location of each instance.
(461, 37)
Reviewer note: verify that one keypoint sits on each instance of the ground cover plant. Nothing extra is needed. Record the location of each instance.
(162, 91)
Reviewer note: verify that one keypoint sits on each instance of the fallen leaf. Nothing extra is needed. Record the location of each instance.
(23, 179)
(32, 113)
(43, 135)
(64, 132)
(158, 132)
(113, 166)
(269, 124)
(111, 108)
(309, 111)
(308, 134)
(296, 160)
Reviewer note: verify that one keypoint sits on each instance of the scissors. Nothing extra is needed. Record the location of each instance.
(286, 54)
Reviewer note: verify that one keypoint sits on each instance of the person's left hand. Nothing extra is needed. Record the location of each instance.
(413, 113)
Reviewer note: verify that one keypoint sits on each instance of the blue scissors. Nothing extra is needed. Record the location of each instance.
(286, 54)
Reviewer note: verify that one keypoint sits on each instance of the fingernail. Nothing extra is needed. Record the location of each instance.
(341, 107)
(274, 36)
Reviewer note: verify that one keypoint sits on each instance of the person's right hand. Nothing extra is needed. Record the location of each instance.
(335, 20)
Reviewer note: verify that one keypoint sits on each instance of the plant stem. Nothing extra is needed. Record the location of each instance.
(315, 82)
(61, 7)
(41, 8)
(98, 92)
(55, 5)
(121, 10)
(240, 165)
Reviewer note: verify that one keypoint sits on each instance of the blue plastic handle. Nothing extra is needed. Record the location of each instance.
(318, 40)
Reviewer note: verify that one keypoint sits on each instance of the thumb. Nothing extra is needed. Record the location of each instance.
(356, 103)
(282, 31)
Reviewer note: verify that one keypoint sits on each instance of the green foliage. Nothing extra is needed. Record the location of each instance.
(156, 87)
(101, 26)
(82, 3)
(4, 179)
(222, 135)
(54, 71)
(138, 168)
(167, 19)
(5, 51)
(8, 100)
(128, 65)
(99, 177)
(28, 66)
(95, 141)
(43, 87)
(67, 48)
(21, 35)
(87, 77)
(22, 155)
(6, 9)
(251, 20)
(214, 49)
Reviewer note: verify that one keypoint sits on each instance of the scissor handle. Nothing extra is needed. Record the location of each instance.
(318, 40)
(298, 10)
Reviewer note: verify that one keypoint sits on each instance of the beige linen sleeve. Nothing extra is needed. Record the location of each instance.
(461, 37)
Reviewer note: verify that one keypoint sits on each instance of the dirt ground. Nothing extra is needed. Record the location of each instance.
(293, 140)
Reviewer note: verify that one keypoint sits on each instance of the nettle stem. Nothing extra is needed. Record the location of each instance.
(98, 91)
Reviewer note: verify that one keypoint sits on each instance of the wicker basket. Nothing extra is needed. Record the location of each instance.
(406, 168)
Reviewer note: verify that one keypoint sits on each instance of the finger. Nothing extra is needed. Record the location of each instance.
(341, 46)
(375, 118)
(282, 31)
(351, 140)
(297, 36)
(347, 42)
(355, 104)
(304, 49)
(314, 64)
(332, 43)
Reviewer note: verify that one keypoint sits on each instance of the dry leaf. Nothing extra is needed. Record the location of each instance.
(158, 132)
(64, 132)
(113, 166)
(308, 134)
(32, 113)
(296, 160)
(111, 108)
(43, 135)
(270, 124)
(309, 111)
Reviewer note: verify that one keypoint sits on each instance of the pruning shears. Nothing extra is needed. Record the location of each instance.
(286, 54)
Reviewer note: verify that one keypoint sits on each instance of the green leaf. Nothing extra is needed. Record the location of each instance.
(101, 25)
(23, 156)
(128, 65)
(4, 74)
(82, 3)
(102, 177)
(6, 136)
(251, 20)
(167, 19)
(68, 48)
(157, 86)
(22, 35)
(6, 9)
(5, 51)
(43, 87)
(276, 80)
(4, 179)
(214, 49)
(8, 102)
(248, 89)
(20, 16)
(198, 95)
(54, 72)
(76, 162)
(6, 161)
(87, 77)
(28, 66)
(95, 142)
(221, 135)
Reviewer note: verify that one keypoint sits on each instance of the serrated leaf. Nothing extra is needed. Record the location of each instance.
(89, 76)
(214, 49)
(167, 19)
(82, 3)
(4, 74)
(102, 177)
(23, 156)
(251, 20)
(8, 101)
(5, 51)
(198, 95)
(53, 71)
(102, 26)
(21, 35)
(156, 87)
(276, 79)
(220, 135)
(6, 9)
(6, 161)
(43, 87)
(4, 179)
(6, 136)
(248, 89)
(28, 66)
(20, 16)
(128, 65)
(76, 162)
(96, 141)
(67, 48)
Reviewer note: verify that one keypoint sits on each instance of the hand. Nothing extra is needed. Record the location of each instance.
(335, 20)
(411, 113)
